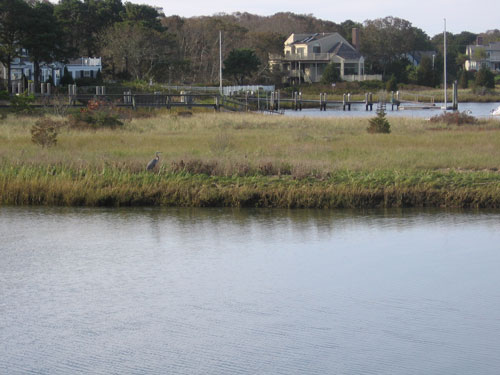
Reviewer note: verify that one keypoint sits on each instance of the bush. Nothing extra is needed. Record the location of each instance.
(454, 118)
(44, 132)
(379, 124)
(21, 102)
(97, 114)
(4, 95)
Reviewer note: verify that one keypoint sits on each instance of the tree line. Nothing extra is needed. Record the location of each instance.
(139, 42)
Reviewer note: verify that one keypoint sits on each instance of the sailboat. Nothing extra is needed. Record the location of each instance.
(496, 112)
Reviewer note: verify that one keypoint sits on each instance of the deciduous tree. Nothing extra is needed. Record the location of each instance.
(241, 63)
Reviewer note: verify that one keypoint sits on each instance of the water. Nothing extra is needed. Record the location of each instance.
(479, 110)
(210, 291)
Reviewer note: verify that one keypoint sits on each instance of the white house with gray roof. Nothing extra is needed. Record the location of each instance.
(307, 55)
(489, 56)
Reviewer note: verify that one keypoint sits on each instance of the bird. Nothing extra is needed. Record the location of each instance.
(152, 164)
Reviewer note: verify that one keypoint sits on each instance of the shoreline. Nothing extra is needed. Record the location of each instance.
(343, 189)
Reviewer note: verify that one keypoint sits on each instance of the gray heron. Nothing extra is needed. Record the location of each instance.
(152, 164)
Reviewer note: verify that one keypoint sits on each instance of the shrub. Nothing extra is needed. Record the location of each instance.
(97, 114)
(379, 124)
(454, 118)
(44, 132)
(21, 102)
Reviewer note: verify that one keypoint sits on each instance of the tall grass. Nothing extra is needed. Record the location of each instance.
(254, 160)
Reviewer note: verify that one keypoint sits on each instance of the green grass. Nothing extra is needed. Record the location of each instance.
(254, 160)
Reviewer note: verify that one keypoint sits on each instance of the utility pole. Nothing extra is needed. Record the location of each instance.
(220, 61)
(445, 98)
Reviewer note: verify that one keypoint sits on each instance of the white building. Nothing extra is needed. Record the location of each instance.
(483, 55)
(83, 67)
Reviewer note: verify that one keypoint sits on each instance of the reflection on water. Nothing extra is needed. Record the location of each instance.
(228, 291)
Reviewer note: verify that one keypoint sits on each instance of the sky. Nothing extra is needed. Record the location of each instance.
(427, 15)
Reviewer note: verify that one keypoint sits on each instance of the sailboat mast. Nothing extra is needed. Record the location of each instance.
(445, 81)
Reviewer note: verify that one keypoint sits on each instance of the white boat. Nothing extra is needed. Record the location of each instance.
(496, 112)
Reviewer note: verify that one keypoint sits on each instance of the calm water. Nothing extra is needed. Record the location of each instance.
(207, 291)
(479, 110)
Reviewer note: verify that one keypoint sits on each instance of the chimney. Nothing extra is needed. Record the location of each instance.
(355, 38)
(479, 41)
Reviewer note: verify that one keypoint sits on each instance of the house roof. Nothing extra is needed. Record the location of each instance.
(345, 51)
(307, 38)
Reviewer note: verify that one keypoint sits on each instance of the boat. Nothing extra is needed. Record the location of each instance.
(496, 112)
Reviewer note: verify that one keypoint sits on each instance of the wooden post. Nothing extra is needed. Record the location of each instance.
(455, 96)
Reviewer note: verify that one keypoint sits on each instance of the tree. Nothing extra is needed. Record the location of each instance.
(479, 54)
(392, 84)
(42, 38)
(385, 40)
(331, 74)
(67, 78)
(463, 79)
(144, 15)
(241, 63)
(13, 23)
(485, 78)
(425, 73)
(132, 48)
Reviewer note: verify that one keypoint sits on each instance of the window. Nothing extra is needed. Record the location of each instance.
(316, 49)
(86, 73)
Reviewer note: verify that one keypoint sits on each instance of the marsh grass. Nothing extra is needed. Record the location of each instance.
(254, 160)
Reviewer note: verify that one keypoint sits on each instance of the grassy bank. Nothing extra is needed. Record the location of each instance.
(254, 160)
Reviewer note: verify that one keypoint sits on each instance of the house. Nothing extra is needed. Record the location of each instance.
(415, 58)
(483, 55)
(307, 55)
(82, 67)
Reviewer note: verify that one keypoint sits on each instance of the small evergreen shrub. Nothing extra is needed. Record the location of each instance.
(379, 124)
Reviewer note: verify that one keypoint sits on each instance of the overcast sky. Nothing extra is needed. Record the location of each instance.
(461, 15)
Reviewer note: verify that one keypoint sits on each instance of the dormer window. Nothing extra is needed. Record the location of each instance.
(317, 49)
